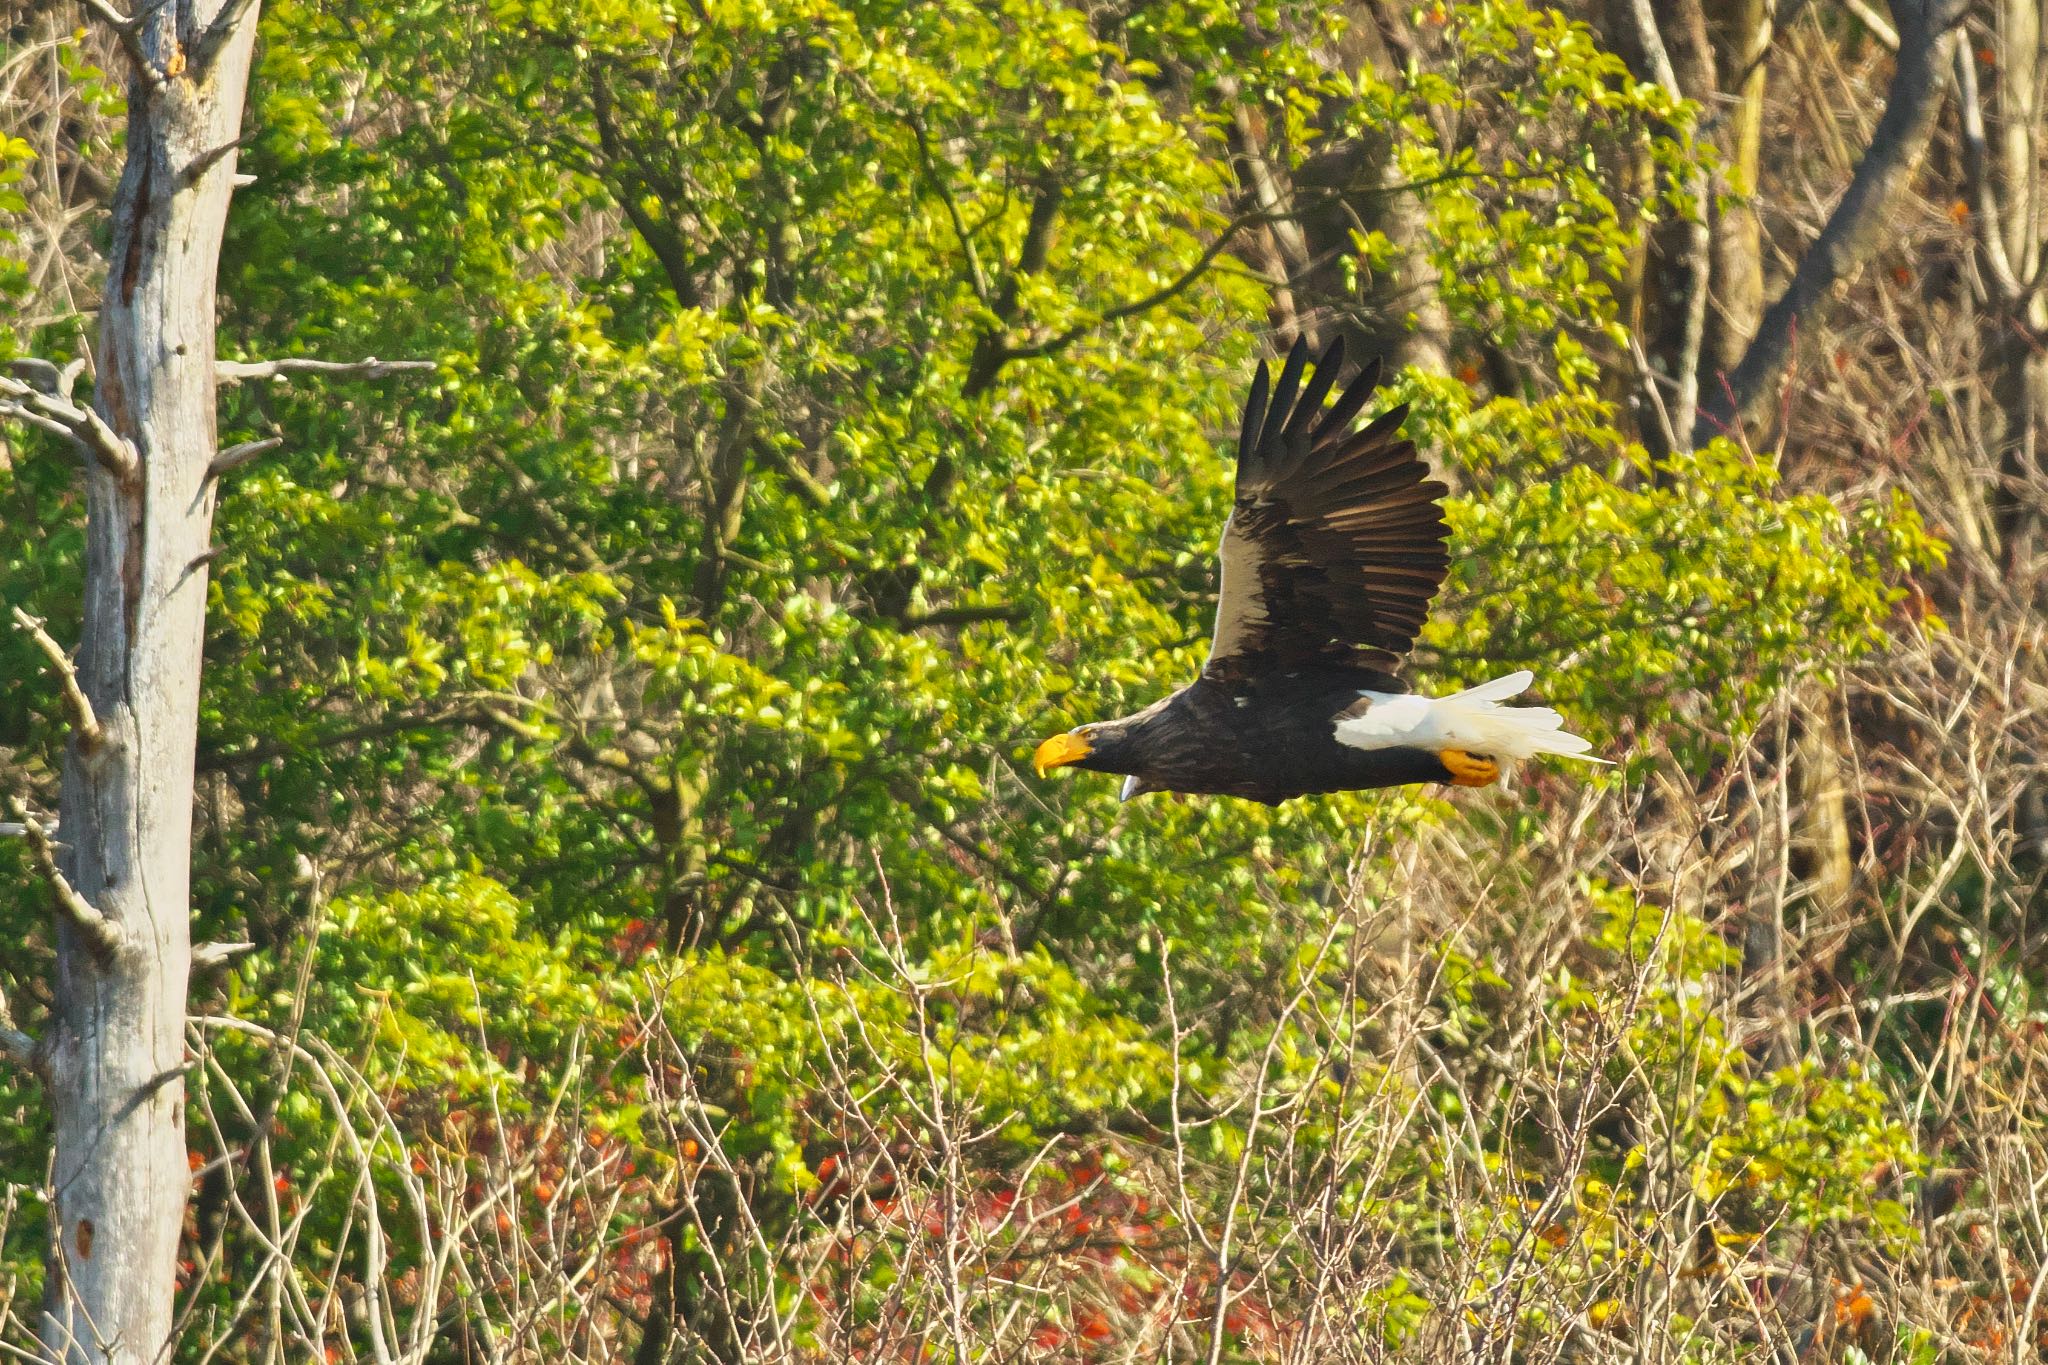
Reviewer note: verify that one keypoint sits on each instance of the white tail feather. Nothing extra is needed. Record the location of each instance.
(1500, 689)
(1472, 720)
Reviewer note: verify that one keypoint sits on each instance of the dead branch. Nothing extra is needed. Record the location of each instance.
(84, 724)
(235, 371)
(104, 935)
(235, 456)
(1872, 20)
(214, 954)
(1985, 210)
(129, 31)
(52, 409)
(15, 1045)
(212, 157)
(1692, 261)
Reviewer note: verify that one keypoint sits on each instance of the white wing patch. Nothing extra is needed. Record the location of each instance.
(1472, 720)
(1389, 721)
(1240, 607)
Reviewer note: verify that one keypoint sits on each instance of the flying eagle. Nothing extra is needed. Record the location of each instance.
(1329, 559)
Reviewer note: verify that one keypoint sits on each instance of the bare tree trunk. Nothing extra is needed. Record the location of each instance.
(1822, 853)
(2002, 170)
(1741, 35)
(1668, 45)
(1861, 223)
(2020, 350)
(2018, 417)
(1347, 185)
(114, 1053)
(1398, 314)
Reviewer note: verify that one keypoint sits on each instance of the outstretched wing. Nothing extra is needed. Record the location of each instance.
(1336, 543)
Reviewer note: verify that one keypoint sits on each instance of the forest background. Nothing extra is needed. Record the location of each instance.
(635, 933)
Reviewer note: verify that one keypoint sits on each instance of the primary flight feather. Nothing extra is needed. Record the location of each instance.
(1329, 559)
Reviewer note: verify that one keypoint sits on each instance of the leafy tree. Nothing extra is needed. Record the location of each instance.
(611, 745)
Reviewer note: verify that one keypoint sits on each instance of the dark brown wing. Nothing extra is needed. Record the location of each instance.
(1336, 543)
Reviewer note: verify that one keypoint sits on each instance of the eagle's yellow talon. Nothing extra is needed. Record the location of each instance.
(1469, 770)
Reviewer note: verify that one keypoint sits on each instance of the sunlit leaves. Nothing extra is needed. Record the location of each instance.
(1653, 586)
(816, 426)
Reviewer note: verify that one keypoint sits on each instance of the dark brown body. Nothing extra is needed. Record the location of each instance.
(1326, 567)
(1267, 739)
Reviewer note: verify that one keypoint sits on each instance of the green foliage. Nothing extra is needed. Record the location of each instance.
(831, 399)
(16, 156)
(1678, 594)
(1530, 235)
(1804, 1147)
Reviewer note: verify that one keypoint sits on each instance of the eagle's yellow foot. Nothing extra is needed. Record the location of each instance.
(1469, 770)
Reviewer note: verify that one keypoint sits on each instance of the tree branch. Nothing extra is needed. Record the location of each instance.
(991, 352)
(1984, 206)
(16, 1046)
(235, 456)
(1164, 294)
(129, 31)
(102, 933)
(1856, 228)
(961, 616)
(971, 259)
(1690, 262)
(635, 181)
(235, 371)
(206, 51)
(49, 405)
(1879, 27)
(213, 954)
(84, 723)
(212, 157)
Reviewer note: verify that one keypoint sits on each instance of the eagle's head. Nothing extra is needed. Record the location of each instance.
(1131, 745)
(1110, 746)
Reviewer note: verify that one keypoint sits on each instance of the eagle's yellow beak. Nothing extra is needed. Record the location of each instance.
(1059, 751)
